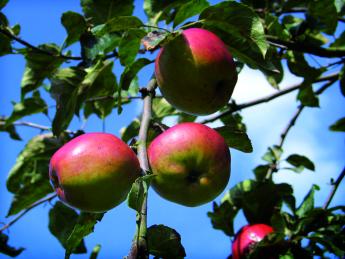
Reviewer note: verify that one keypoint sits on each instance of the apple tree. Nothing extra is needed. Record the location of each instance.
(195, 51)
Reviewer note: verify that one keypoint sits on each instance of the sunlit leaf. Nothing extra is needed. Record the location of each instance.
(101, 11)
(75, 26)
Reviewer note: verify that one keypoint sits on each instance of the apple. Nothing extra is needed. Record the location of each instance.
(190, 162)
(247, 237)
(93, 172)
(196, 72)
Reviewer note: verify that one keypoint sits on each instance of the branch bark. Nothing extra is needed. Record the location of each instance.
(27, 44)
(139, 249)
(274, 166)
(306, 48)
(268, 98)
(334, 189)
(49, 198)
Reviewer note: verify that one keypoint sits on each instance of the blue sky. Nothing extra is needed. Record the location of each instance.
(40, 21)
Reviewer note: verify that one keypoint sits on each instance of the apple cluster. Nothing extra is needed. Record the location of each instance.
(190, 161)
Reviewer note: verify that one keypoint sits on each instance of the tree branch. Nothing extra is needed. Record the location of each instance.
(35, 204)
(235, 108)
(32, 125)
(26, 44)
(274, 166)
(139, 247)
(305, 48)
(334, 189)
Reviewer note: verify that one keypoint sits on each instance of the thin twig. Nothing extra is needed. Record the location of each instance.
(290, 125)
(42, 51)
(32, 125)
(268, 98)
(274, 166)
(26, 123)
(156, 27)
(305, 48)
(35, 204)
(139, 247)
(335, 186)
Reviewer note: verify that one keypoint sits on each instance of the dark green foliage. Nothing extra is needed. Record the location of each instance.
(164, 242)
(6, 249)
(28, 178)
(39, 66)
(339, 125)
(101, 11)
(75, 26)
(28, 106)
(62, 221)
(305, 36)
(138, 191)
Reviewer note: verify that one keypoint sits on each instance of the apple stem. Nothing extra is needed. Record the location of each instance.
(139, 247)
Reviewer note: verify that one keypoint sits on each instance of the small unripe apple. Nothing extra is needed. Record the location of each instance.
(247, 237)
(93, 172)
(191, 164)
(196, 72)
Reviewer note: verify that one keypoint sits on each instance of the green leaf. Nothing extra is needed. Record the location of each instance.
(28, 178)
(164, 242)
(240, 22)
(131, 71)
(3, 3)
(62, 221)
(298, 160)
(130, 45)
(97, 47)
(274, 27)
(273, 154)
(10, 129)
(189, 9)
(324, 12)
(138, 192)
(154, 39)
(339, 42)
(339, 125)
(99, 81)
(308, 203)
(235, 138)
(83, 227)
(39, 66)
(161, 108)
(64, 89)
(223, 215)
(5, 248)
(300, 67)
(130, 131)
(95, 252)
(5, 42)
(261, 172)
(261, 201)
(342, 80)
(161, 10)
(27, 107)
(101, 11)
(75, 26)
(119, 23)
(307, 96)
